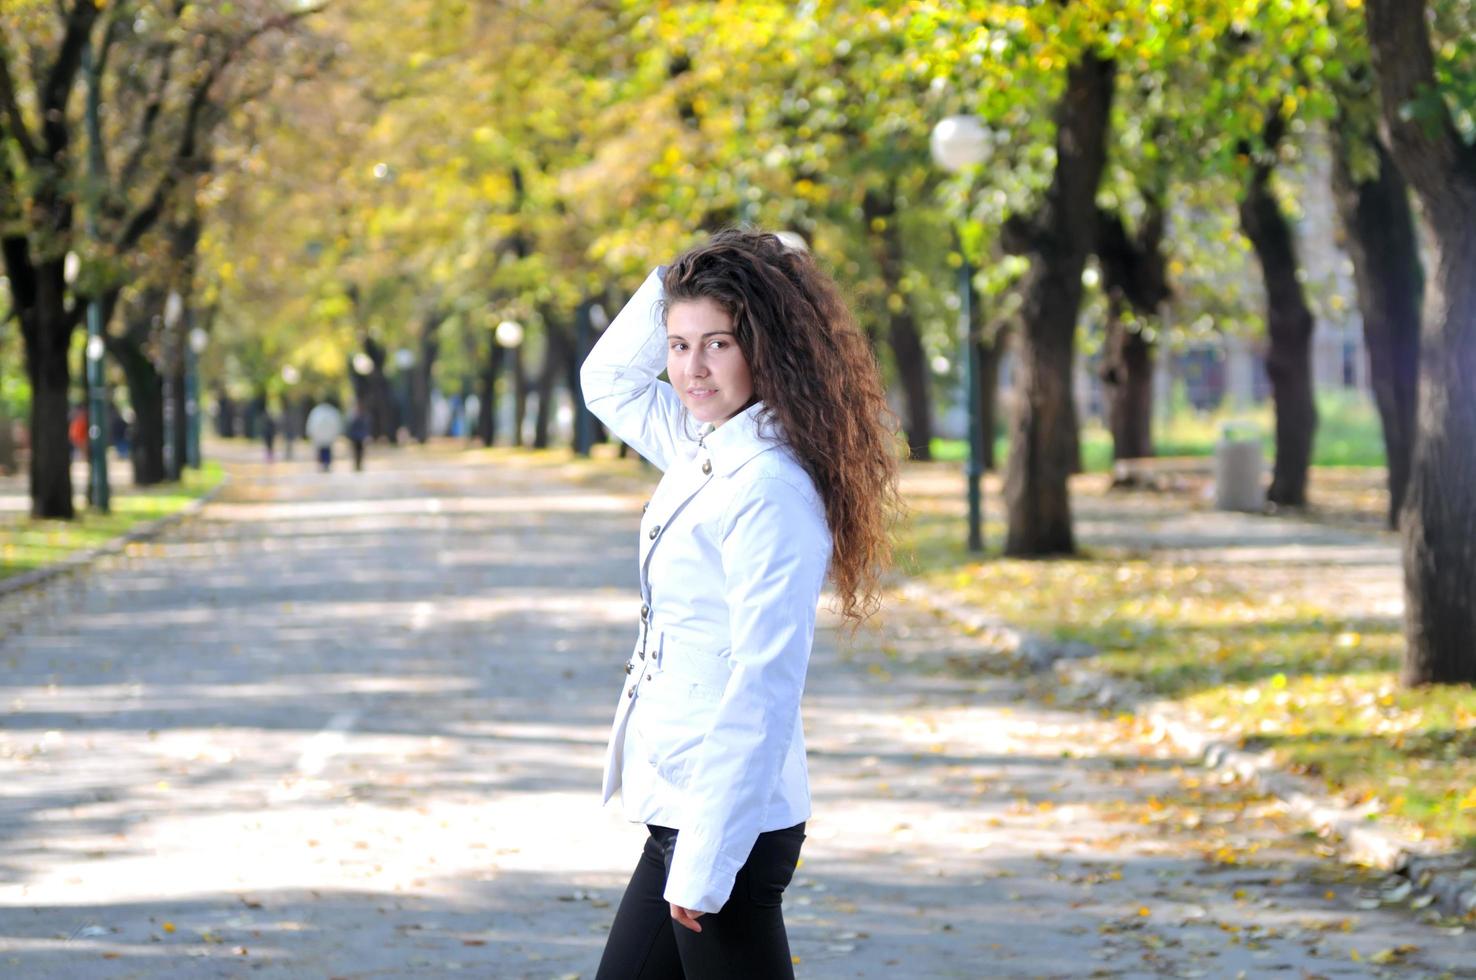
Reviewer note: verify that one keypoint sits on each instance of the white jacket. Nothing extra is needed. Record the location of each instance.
(733, 553)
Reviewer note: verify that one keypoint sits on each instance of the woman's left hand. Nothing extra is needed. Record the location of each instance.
(687, 917)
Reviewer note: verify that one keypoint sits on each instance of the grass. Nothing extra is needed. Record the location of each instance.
(1280, 658)
(1348, 434)
(26, 544)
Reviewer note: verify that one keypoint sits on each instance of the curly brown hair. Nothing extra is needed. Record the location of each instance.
(818, 379)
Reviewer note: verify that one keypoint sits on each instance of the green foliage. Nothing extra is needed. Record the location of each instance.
(483, 162)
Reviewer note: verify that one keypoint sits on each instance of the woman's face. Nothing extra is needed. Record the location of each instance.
(703, 361)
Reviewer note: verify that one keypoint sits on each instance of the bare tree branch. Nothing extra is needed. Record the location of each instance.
(58, 83)
(15, 122)
(147, 122)
(148, 213)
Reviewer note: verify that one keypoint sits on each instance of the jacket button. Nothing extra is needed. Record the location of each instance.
(631, 693)
(654, 531)
(629, 668)
(707, 466)
(645, 610)
(645, 507)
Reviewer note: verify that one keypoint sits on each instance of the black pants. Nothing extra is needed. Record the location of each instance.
(744, 941)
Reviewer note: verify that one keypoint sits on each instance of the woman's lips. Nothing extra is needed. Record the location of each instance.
(701, 392)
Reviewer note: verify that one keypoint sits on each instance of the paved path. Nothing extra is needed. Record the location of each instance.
(350, 725)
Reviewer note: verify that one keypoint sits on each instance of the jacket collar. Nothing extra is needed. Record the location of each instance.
(739, 439)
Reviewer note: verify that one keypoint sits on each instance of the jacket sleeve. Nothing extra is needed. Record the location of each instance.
(620, 383)
(774, 554)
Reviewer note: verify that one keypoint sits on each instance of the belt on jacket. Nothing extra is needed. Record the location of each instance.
(652, 641)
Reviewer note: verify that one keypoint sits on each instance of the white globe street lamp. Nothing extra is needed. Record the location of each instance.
(198, 340)
(598, 318)
(509, 333)
(958, 143)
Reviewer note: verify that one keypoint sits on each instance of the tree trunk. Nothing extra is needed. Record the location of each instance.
(1438, 523)
(1135, 274)
(51, 452)
(37, 292)
(379, 402)
(146, 395)
(50, 375)
(554, 353)
(1382, 244)
(1127, 375)
(7, 443)
(37, 205)
(1289, 328)
(879, 209)
(420, 381)
(1037, 492)
(226, 414)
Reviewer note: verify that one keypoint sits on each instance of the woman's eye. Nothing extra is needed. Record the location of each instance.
(717, 345)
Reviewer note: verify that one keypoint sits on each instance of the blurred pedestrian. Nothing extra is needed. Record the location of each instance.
(358, 433)
(324, 428)
(77, 432)
(269, 433)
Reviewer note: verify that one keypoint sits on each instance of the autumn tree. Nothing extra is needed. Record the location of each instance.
(1380, 237)
(38, 174)
(161, 60)
(1424, 98)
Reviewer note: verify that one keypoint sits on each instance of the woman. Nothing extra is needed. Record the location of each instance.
(779, 465)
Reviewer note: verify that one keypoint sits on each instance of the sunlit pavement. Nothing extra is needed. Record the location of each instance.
(351, 725)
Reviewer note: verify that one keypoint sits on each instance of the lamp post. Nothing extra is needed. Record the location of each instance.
(290, 377)
(98, 488)
(198, 341)
(404, 361)
(958, 143)
(173, 310)
(508, 336)
(97, 419)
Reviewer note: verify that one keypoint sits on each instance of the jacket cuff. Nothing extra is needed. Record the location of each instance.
(696, 884)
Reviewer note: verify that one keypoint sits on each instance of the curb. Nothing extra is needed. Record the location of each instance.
(1448, 879)
(81, 559)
